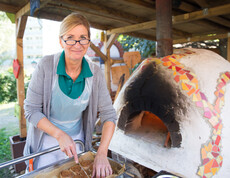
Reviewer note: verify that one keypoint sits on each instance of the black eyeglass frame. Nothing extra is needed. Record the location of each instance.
(75, 41)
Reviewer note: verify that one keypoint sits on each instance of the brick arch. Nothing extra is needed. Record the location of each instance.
(117, 44)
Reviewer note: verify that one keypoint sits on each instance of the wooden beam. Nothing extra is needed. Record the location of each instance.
(201, 38)
(26, 9)
(55, 17)
(23, 11)
(150, 4)
(202, 3)
(117, 61)
(51, 5)
(84, 12)
(106, 11)
(221, 21)
(8, 8)
(97, 51)
(176, 32)
(111, 40)
(218, 20)
(21, 23)
(131, 28)
(228, 48)
(49, 16)
(205, 13)
(107, 65)
(164, 28)
(187, 7)
(220, 10)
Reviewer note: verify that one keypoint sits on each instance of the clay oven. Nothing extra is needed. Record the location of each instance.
(174, 114)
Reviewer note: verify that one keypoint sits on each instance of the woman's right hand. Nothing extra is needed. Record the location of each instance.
(67, 145)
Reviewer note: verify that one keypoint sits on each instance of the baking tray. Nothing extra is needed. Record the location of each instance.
(53, 170)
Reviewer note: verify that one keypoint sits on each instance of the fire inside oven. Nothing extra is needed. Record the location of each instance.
(151, 106)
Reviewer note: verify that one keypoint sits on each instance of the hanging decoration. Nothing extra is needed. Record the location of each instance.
(16, 68)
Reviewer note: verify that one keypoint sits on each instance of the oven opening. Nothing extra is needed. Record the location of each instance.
(148, 126)
(152, 107)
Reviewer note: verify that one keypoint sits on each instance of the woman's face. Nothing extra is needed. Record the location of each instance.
(77, 51)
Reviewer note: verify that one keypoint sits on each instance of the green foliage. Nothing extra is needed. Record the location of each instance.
(7, 38)
(8, 86)
(5, 152)
(145, 47)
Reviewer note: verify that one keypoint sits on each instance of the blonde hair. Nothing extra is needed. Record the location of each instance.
(71, 21)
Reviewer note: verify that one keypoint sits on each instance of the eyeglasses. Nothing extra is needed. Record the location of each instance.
(73, 42)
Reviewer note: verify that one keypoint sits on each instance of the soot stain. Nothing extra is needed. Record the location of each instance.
(153, 91)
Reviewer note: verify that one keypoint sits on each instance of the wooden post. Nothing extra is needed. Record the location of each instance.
(107, 63)
(228, 48)
(107, 45)
(20, 28)
(164, 27)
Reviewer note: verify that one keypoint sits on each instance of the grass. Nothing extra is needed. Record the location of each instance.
(9, 127)
(5, 152)
(7, 118)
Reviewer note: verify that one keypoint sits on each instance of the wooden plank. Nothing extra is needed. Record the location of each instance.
(21, 88)
(176, 32)
(200, 38)
(221, 21)
(205, 13)
(131, 59)
(118, 71)
(114, 61)
(106, 11)
(98, 26)
(23, 11)
(187, 7)
(26, 9)
(49, 16)
(202, 3)
(21, 25)
(228, 48)
(138, 3)
(132, 28)
(111, 40)
(107, 66)
(8, 8)
(84, 12)
(190, 8)
(98, 52)
(188, 17)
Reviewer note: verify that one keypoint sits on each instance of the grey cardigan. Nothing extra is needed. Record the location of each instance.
(37, 102)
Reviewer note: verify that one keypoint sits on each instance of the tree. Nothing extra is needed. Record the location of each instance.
(145, 47)
(218, 45)
(7, 38)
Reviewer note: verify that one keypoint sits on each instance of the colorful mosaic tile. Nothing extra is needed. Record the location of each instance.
(210, 152)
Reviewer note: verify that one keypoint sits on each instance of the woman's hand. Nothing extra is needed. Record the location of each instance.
(67, 145)
(101, 166)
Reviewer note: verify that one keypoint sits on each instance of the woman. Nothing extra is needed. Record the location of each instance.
(63, 98)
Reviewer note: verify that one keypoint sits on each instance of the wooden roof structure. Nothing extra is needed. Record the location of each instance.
(192, 20)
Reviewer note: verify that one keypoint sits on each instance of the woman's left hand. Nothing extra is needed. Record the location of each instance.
(101, 166)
